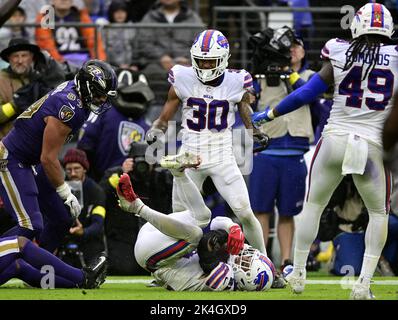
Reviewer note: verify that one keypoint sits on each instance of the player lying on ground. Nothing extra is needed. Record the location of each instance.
(22, 259)
(166, 244)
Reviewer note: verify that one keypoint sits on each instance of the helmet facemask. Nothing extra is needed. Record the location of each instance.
(206, 75)
(100, 100)
(253, 271)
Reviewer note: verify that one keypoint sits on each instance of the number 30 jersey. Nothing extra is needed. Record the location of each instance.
(361, 106)
(208, 112)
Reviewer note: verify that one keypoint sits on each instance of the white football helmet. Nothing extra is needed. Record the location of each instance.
(253, 270)
(372, 18)
(209, 45)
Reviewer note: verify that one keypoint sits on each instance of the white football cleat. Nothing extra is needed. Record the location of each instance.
(296, 281)
(180, 161)
(361, 292)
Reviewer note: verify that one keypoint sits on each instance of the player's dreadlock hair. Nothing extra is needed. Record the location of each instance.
(366, 45)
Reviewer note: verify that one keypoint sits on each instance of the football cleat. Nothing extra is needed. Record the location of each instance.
(279, 282)
(125, 188)
(180, 161)
(296, 281)
(361, 292)
(95, 273)
(128, 200)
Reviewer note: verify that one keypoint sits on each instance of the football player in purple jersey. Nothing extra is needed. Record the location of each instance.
(31, 176)
(22, 259)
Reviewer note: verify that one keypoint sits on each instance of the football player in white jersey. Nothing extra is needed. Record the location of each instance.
(165, 245)
(364, 74)
(208, 93)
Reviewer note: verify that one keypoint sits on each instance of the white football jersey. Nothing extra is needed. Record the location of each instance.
(361, 106)
(208, 112)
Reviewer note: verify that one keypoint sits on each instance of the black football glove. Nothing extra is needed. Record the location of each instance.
(261, 141)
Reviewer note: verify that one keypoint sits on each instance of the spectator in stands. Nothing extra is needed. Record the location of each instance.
(8, 33)
(87, 234)
(138, 8)
(168, 46)
(161, 48)
(119, 42)
(107, 139)
(25, 80)
(32, 9)
(68, 43)
(97, 8)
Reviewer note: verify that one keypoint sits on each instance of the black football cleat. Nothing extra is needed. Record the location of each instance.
(95, 273)
(279, 282)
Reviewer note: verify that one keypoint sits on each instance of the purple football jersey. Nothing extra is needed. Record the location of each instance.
(25, 140)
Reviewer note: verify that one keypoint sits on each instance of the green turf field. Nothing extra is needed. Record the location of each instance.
(135, 288)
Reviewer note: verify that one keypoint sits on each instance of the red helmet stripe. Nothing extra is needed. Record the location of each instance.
(206, 41)
(377, 16)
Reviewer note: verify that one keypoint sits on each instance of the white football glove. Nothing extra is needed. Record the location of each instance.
(69, 199)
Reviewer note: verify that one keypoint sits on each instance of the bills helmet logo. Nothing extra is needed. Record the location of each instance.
(223, 42)
(261, 280)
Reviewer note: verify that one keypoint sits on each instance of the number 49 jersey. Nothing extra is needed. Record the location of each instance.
(361, 106)
(208, 112)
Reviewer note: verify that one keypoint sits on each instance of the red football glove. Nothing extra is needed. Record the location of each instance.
(236, 240)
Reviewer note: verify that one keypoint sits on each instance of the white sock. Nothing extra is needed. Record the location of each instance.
(369, 265)
(375, 239)
(300, 260)
(306, 232)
